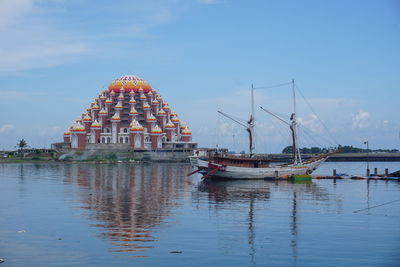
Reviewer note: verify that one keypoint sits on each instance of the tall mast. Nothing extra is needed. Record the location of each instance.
(296, 149)
(251, 123)
(252, 100)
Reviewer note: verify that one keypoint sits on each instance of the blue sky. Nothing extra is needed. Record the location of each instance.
(202, 56)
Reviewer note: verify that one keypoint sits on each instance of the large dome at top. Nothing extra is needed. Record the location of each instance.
(129, 83)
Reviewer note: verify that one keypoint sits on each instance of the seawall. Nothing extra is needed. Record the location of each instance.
(341, 157)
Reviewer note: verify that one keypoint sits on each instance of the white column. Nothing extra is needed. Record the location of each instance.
(114, 133)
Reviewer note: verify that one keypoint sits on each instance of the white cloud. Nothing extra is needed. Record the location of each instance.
(311, 124)
(29, 38)
(361, 120)
(6, 128)
(11, 10)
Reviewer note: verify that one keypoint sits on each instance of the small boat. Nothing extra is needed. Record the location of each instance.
(227, 166)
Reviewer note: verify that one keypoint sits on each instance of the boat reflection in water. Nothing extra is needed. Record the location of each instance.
(128, 202)
(263, 198)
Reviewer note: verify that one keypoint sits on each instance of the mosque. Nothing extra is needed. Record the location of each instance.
(129, 114)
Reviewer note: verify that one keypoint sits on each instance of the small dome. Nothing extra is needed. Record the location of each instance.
(87, 118)
(155, 102)
(151, 117)
(108, 101)
(133, 111)
(95, 124)
(116, 117)
(129, 83)
(119, 105)
(186, 131)
(146, 105)
(136, 126)
(67, 132)
(78, 127)
(169, 125)
(95, 106)
(112, 92)
(132, 100)
(121, 96)
(175, 119)
(156, 129)
(103, 112)
(143, 97)
(162, 112)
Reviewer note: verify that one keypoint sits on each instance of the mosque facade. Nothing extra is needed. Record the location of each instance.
(133, 115)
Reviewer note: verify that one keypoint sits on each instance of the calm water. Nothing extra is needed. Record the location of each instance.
(152, 214)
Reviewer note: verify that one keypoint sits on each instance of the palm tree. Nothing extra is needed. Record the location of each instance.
(21, 145)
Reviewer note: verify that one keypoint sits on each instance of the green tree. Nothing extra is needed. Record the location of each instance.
(21, 145)
(287, 150)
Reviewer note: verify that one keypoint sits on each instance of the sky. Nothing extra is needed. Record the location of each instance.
(203, 56)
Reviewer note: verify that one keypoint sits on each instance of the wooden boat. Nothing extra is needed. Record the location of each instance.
(249, 167)
(229, 167)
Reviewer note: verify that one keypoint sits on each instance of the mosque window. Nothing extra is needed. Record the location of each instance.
(103, 140)
(108, 140)
(126, 140)
(121, 139)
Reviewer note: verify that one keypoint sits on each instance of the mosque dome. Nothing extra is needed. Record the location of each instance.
(78, 127)
(95, 124)
(129, 83)
(156, 129)
(170, 125)
(127, 112)
(136, 126)
(186, 131)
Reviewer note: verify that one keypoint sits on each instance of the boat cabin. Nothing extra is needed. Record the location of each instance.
(240, 161)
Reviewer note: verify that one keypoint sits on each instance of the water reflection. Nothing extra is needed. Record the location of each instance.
(128, 202)
(255, 192)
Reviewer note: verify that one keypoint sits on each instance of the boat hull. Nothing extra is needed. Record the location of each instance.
(274, 172)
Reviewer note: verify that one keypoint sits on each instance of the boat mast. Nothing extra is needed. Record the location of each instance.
(250, 123)
(293, 128)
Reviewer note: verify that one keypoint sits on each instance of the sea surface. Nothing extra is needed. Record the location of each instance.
(132, 214)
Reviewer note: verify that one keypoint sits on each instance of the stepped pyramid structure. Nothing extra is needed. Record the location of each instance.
(131, 114)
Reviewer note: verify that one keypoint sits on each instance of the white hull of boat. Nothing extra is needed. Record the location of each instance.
(278, 171)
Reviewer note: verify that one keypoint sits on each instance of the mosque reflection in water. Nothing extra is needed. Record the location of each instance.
(129, 202)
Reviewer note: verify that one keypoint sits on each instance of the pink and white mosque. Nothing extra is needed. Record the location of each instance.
(129, 114)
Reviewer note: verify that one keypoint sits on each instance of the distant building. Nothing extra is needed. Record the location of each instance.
(129, 113)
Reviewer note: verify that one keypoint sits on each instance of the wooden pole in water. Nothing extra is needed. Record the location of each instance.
(386, 171)
(375, 171)
(368, 173)
(334, 172)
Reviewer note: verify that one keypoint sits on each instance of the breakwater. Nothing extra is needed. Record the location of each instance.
(341, 157)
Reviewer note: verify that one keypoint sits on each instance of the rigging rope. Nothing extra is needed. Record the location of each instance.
(309, 105)
(272, 86)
